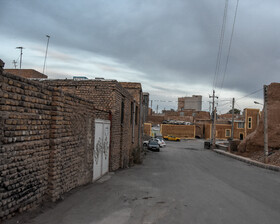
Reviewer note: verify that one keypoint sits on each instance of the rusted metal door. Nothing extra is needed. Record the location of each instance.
(101, 148)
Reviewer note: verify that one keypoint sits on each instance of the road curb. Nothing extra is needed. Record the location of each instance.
(247, 160)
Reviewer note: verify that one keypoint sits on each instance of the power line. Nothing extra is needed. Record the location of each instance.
(249, 94)
(230, 43)
(218, 61)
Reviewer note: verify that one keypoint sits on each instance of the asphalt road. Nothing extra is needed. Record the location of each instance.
(181, 184)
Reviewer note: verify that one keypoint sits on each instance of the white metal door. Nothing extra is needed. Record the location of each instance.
(101, 148)
(105, 159)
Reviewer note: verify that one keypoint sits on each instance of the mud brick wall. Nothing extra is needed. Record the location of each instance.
(221, 131)
(255, 140)
(107, 95)
(46, 143)
(181, 131)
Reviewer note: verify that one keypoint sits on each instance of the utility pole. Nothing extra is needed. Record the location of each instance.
(15, 63)
(232, 120)
(213, 135)
(20, 56)
(46, 53)
(214, 129)
(265, 124)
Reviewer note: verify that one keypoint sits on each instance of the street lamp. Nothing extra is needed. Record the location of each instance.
(46, 52)
(255, 102)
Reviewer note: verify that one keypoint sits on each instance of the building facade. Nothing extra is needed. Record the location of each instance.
(190, 103)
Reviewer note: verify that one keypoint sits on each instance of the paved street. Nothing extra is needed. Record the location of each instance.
(181, 184)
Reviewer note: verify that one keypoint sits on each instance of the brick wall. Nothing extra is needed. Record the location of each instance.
(109, 95)
(24, 149)
(148, 129)
(221, 131)
(181, 131)
(47, 141)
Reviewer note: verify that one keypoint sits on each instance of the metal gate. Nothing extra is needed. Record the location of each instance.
(101, 148)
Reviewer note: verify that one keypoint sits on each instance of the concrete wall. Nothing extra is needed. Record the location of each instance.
(181, 131)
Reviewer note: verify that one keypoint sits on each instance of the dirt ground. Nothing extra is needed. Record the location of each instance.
(273, 158)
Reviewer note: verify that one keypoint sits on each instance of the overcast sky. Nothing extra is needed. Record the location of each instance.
(169, 46)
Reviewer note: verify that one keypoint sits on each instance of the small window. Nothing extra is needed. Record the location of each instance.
(249, 122)
(181, 114)
(136, 114)
(228, 132)
(240, 124)
(122, 112)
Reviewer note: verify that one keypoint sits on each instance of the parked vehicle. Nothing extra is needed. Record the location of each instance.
(171, 138)
(161, 142)
(153, 145)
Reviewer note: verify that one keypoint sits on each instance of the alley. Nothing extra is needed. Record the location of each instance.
(183, 183)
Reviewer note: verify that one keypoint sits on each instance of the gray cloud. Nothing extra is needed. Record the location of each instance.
(173, 41)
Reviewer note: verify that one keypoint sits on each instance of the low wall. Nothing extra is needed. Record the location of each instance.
(181, 131)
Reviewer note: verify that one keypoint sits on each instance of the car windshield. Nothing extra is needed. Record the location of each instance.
(153, 143)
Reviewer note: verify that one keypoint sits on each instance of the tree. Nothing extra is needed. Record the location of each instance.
(236, 111)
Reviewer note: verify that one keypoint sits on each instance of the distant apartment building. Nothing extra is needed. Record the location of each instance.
(190, 103)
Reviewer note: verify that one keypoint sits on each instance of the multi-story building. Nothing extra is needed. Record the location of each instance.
(190, 103)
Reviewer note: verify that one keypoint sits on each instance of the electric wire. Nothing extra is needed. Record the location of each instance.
(249, 94)
(218, 60)
(230, 43)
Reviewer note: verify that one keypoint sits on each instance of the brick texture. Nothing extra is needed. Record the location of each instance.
(46, 143)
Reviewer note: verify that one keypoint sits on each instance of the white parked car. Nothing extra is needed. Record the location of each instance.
(160, 142)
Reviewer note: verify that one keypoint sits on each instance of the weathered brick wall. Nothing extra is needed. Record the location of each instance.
(46, 143)
(108, 95)
(72, 142)
(25, 109)
(181, 131)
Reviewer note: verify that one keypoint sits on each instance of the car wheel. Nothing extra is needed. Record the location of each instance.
(177, 140)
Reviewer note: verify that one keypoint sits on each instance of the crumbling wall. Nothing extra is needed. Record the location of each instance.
(255, 141)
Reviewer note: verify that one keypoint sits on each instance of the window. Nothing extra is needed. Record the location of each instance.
(136, 114)
(240, 124)
(228, 132)
(122, 112)
(181, 114)
(249, 122)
